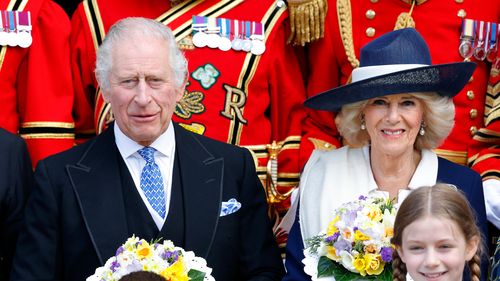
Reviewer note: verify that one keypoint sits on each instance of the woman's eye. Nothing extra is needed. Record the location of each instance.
(408, 103)
(379, 102)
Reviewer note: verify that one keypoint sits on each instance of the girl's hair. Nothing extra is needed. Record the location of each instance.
(443, 201)
(142, 276)
(439, 114)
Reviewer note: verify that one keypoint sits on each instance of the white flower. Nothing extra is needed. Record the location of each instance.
(347, 261)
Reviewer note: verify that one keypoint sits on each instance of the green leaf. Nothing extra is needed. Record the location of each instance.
(196, 275)
(327, 268)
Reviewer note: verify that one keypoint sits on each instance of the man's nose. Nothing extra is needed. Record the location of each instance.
(143, 95)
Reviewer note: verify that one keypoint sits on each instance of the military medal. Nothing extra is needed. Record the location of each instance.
(258, 45)
(237, 42)
(466, 39)
(213, 37)
(491, 54)
(247, 43)
(199, 37)
(11, 34)
(24, 29)
(225, 27)
(3, 30)
(479, 50)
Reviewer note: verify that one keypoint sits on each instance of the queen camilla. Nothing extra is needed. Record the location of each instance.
(396, 110)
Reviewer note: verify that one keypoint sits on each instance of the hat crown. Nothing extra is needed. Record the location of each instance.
(404, 46)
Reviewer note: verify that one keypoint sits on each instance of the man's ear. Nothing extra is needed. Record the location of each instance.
(181, 89)
(106, 96)
(471, 247)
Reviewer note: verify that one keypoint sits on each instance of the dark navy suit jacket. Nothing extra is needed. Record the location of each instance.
(448, 172)
(76, 217)
(16, 179)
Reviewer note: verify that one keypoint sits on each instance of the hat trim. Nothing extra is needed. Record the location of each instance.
(367, 72)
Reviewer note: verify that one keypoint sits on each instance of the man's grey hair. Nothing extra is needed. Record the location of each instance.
(127, 29)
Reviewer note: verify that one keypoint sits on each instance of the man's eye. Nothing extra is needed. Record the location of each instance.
(129, 82)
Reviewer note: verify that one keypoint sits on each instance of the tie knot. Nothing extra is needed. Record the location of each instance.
(148, 153)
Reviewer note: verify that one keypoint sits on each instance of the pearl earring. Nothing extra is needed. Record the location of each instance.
(422, 130)
(363, 125)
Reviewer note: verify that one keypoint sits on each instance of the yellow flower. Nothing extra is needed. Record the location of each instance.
(360, 265)
(370, 248)
(144, 250)
(374, 214)
(389, 232)
(374, 264)
(331, 253)
(175, 272)
(360, 236)
(331, 226)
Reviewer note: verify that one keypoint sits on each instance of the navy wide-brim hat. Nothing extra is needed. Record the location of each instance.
(396, 62)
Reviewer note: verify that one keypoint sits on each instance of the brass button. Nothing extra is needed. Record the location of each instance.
(473, 130)
(370, 14)
(374, 1)
(459, 1)
(473, 113)
(461, 13)
(370, 32)
(470, 95)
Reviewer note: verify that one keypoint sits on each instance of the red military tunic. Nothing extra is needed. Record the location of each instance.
(36, 93)
(232, 96)
(349, 25)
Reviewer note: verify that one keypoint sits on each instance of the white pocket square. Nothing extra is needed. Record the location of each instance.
(229, 207)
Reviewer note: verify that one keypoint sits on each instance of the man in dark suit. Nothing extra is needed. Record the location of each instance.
(146, 176)
(16, 179)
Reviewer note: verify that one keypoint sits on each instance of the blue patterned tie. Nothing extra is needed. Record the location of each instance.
(152, 181)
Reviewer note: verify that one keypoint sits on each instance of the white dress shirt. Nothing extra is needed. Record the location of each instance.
(164, 158)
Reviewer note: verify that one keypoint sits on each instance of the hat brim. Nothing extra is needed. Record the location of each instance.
(444, 79)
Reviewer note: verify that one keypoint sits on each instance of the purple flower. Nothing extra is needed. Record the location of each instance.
(332, 238)
(361, 197)
(386, 253)
(342, 245)
(119, 251)
(114, 266)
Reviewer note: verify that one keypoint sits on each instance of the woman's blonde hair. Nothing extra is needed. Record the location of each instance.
(439, 115)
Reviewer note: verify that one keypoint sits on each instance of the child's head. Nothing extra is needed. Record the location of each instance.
(435, 234)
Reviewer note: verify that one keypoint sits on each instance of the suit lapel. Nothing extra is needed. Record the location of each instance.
(97, 185)
(202, 181)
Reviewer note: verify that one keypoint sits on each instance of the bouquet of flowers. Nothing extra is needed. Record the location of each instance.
(356, 244)
(173, 263)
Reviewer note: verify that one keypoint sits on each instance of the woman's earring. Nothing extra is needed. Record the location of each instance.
(422, 130)
(363, 125)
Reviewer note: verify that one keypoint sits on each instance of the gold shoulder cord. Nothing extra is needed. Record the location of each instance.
(344, 14)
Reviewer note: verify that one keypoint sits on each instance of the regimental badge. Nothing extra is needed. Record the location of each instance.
(186, 43)
(191, 103)
(207, 75)
(479, 39)
(15, 29)
(226, 34)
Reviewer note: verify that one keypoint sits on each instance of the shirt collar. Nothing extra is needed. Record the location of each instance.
(164, 144)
